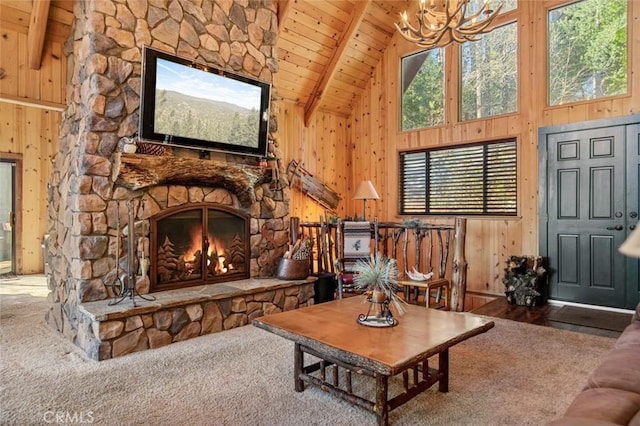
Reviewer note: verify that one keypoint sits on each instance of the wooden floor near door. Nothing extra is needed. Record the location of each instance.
(499, 308)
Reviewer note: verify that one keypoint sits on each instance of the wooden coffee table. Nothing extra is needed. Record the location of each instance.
(330, 332)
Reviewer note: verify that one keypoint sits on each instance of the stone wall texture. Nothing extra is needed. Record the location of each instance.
(139, 331)
(87, 211)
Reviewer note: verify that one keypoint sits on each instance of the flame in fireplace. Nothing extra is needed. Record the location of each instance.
(196, 243)
(216, 252)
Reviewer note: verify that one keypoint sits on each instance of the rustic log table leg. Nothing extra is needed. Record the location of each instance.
(298, 365)
(381, 407)
(443, 366)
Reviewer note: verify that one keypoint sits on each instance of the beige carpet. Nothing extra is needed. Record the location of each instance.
(515, 374)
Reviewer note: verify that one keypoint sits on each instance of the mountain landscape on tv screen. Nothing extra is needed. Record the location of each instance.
(187, 116)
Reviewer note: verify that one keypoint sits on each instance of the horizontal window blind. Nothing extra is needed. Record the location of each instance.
(472, 180)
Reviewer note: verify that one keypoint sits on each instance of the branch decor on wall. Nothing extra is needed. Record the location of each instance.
(311, 186)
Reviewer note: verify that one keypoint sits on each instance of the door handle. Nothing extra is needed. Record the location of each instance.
(615, 228)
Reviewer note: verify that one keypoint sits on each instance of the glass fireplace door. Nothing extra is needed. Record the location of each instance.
(199, 245)
(226, 239)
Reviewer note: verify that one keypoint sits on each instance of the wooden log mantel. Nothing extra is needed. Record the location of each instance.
(137, 171)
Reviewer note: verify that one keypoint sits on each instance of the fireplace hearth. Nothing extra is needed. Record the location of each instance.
(198, 244)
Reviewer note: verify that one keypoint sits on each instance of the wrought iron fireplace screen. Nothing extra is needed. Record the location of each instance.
(198, 244)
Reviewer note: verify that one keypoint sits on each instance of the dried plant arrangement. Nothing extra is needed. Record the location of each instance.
(379, 274)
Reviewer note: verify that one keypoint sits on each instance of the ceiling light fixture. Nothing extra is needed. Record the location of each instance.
(441, 22)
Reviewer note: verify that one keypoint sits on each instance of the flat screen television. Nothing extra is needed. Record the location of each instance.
(198, 106)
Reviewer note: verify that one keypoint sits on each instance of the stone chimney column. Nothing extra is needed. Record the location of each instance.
(103, 96)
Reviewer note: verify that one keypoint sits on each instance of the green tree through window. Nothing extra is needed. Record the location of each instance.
(507, 5)
(587, 50)
(489, 74)
(423, 89)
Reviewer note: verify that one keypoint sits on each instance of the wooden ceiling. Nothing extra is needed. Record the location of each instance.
(39, 19)
(327, 49)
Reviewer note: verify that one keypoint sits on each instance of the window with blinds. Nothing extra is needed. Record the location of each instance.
(471, 180)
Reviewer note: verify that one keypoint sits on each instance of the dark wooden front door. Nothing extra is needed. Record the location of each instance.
(588, 208)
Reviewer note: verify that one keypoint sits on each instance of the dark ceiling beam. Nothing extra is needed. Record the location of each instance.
(357, 15)
(37, 32)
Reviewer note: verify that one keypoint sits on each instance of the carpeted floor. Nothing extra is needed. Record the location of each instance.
(515, 374)
(7, 276)
(595, 318)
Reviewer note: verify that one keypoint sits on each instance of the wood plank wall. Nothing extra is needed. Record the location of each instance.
(322, 148)
(47, 84)
(30, 135)
(339, 150)
(373, 141)
(30, 116)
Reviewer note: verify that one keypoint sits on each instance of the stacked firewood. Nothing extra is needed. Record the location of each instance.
(301, 250)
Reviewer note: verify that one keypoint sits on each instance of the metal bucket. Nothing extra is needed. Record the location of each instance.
(292, 269)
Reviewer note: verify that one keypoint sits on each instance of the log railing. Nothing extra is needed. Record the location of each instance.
(426, 247)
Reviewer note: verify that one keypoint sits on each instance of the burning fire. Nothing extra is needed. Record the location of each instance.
(215, 252)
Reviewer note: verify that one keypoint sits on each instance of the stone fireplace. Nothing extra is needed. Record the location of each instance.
(95, 189)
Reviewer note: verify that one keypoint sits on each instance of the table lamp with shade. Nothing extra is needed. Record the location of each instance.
(364, 192)
(631, 246)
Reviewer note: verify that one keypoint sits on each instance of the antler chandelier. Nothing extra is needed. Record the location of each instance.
(442, 22)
